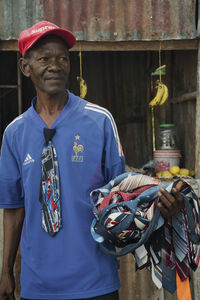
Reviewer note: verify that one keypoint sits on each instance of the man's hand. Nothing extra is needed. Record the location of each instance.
(7, 287)
(171, 203)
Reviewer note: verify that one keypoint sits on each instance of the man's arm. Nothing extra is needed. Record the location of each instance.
(13, 221)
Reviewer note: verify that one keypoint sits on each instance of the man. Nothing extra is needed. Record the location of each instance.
(52, 157)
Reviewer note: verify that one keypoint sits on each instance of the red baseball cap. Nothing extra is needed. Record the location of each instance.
(31, 35)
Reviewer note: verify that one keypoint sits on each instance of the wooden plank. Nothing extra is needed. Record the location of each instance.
(136, 45)
(148, 109)
(19, 86)
(136, 285)
(195, 288)
(197, 146)
(184, 97)
(184, 72)
(196, 275)
(8, 86)
(11, 45)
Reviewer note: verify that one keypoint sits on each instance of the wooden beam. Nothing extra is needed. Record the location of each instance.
(184, 97)
(11, 45)
(197, 143)
(8, 86)
(136, 45)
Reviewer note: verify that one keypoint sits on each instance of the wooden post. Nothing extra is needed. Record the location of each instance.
(148, 110)
(196, 276)
(197, 144)
(19, 85)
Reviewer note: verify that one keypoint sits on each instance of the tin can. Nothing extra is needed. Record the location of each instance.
(167, 137)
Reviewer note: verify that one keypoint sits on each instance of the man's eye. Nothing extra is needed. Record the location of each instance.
(43, 59)
(62, 58)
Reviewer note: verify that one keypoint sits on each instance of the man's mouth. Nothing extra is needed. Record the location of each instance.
(54, 78)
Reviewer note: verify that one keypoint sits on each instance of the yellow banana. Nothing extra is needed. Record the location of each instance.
(83, 87)
(159, 94)
(165, 95)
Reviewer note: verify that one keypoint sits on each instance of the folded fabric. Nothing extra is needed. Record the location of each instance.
(127, 220)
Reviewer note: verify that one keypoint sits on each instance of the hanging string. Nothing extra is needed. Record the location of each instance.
(83, 85)
(80, 56)
(159, 62)
(152, 109)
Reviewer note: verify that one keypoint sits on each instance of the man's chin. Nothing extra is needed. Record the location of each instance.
(55, 90)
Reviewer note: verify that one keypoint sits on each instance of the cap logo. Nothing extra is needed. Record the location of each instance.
(41, 29)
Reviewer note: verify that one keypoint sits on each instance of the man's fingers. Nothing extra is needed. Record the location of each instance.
(163, 210)
(171, 203)
(179, 186)
(166, 198)
(177, 194)
(178, 197)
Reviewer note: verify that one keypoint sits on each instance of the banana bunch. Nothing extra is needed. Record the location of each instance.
(161, 95)
(83, 87)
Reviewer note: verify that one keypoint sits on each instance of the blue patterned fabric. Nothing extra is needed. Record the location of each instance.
(165, 246)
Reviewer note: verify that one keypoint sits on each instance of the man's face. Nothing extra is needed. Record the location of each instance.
(48, 66)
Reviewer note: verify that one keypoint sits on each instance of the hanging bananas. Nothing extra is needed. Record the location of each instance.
(165, 95)
(83, 84)
(161, 95)
(83, 87)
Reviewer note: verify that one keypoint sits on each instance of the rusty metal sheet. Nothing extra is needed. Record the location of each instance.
(124, 20)
(103, 20)
(16, 15)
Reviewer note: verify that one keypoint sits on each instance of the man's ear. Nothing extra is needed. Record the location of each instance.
(24, 66)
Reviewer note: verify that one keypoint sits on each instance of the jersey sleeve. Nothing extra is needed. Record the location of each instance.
(11, 195)
(114, 161)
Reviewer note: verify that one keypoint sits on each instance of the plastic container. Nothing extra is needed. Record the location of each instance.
(165, 159)
(167, 137)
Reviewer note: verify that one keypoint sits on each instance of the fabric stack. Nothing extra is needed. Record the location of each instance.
(127, 220)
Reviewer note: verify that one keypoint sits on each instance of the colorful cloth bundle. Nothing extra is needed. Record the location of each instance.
(127, 218)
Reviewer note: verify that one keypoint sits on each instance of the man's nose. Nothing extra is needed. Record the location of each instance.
(53, 65)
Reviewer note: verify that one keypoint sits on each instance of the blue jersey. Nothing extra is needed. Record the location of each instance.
(69, 265)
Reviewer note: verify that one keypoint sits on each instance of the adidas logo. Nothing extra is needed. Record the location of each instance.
(28, 160)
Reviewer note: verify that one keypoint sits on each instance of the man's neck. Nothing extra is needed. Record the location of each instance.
(50, 107)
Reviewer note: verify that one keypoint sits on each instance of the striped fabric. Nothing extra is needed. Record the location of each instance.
(101, 110)
(126, 216)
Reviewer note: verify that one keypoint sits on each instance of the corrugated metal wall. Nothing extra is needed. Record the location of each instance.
(103, 20)
(124, 20)
(16, 15)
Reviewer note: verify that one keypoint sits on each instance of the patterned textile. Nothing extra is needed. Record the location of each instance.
(127, 217)
(50, 193)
